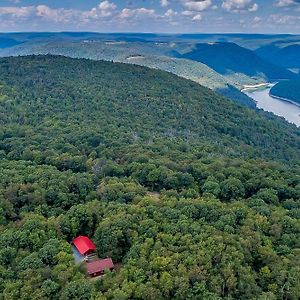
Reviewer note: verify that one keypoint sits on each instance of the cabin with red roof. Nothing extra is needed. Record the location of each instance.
(84, 245)
(98, 267)
(84, 251)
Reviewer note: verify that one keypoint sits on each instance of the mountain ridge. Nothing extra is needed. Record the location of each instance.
(227, 58)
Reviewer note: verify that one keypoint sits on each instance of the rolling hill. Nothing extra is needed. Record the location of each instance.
(222, 66)
(164, 115)
(231, 60)
(249, 41)
(6, 42)
(284, 55)
(153, 55)
(190, 194)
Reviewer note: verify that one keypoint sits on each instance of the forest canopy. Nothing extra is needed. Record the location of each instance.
(196, 197)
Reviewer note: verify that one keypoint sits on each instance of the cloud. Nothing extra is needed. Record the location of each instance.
(239, 5)
(257, 19)
(17, 11)
(103, 10)
(137, 12)
(197, 5)
(253, 8)
(197, 17)
(170, 13)
(194, 8)
(106, 5)
(164, 3)
(286, 3)
(59, 15)
(112, 15)
(188, 13)
(56, 15)
(284, 19)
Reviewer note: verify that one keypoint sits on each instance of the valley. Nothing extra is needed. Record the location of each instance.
(280, 107)
(162, 155)
(223, 63)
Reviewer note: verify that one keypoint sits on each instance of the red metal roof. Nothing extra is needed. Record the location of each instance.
(84, 245)
(98, 266)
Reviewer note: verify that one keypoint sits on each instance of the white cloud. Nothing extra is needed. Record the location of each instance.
(164, 3)
(197, 5)
(253, 8)
(197, 17)
(103, 10)
(286, 3)
(107, 15)
(17, 11)
(188, 13)
(170, 13)
(126, 13)
(257, 19)
(106, 5)
(129, 13)
(194, 8)
(55, 15)
(284, 19)
(239, 5)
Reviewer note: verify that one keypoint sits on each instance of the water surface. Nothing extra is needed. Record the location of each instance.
(290, 111)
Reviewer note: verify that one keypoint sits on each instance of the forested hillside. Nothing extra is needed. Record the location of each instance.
(289, 89)
(149, 54)
(286, 56)
(196, 197)
(227, 58)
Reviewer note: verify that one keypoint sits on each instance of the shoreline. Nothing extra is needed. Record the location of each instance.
(284, 99)
(255, 86)
(292, 115)
(249, 88)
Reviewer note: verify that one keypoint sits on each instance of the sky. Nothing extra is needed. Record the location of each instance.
(164, 16)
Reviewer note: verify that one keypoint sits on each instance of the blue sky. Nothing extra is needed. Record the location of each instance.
(261, 16)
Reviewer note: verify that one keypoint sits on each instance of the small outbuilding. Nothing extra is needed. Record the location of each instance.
(84, 245)
(97, 267)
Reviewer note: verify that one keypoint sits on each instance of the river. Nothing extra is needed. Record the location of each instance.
(290, 111)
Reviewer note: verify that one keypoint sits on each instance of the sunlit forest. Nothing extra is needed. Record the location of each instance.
(194, 196)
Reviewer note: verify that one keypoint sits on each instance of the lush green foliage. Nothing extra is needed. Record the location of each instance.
(289, 89)
(152, 55)
(238, 66)
(195, 196)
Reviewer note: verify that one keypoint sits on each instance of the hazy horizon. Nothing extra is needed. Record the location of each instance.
(157, 33)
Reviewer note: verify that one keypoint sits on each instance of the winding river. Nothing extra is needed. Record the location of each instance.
(290, 111)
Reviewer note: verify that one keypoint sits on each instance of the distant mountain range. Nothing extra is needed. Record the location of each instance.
(6, 42)
(231, 59)
(287, 56)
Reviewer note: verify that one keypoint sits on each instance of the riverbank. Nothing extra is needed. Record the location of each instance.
(280, 107)
(262, 86)
(284, 99)
(256, 86)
